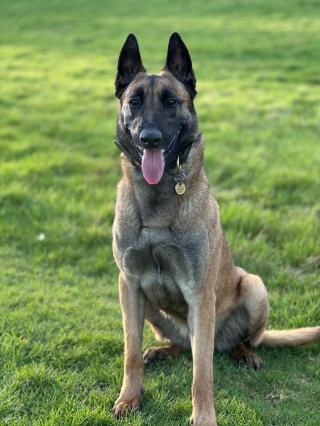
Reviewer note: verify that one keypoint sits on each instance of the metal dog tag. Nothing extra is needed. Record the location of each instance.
(180, 188)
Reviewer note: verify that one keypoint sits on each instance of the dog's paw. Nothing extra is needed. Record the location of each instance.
(250, 360)
(124, 407)
(208, 422)
(154, 355)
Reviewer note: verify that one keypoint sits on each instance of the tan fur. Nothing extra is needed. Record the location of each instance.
(133, 306)
(177, 272)
(300, 336)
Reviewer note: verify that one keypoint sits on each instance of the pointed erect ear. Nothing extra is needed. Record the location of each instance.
(129, 64)
(179, 63)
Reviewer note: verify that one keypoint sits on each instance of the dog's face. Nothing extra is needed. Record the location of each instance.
(157, 121)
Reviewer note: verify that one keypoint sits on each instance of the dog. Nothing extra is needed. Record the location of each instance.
(176, 268)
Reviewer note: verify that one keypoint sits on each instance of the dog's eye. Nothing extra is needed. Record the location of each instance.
(171, 102)
(134, 102)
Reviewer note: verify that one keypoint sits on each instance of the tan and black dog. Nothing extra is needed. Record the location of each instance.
(176, 269)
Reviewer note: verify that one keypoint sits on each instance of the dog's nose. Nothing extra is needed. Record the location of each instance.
(150, 138)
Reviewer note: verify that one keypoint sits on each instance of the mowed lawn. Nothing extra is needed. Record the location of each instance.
(257, 64)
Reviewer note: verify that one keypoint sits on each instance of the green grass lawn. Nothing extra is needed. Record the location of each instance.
(257, 64)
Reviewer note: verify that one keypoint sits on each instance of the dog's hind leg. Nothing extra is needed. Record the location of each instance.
(246, 322)
(250, 317)
(160, 353)
(165, 329)
(246, 358)
(254, 299)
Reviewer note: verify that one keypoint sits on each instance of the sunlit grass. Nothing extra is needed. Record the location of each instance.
(257, 66)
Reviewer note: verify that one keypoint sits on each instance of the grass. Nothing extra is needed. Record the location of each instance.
(257, 64)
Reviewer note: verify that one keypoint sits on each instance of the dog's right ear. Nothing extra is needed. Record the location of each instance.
(129, 64)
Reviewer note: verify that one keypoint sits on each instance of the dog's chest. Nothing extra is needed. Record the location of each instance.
(166, 265)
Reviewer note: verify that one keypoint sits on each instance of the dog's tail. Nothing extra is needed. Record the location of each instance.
(297, 337)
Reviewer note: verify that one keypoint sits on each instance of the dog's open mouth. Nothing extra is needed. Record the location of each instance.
(153, 161)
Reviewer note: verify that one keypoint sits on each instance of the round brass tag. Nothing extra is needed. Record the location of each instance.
(180, 188)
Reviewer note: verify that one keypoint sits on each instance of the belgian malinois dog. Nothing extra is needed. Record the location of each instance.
(176, 269)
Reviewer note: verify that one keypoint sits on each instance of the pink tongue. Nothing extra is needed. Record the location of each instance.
(152, 165)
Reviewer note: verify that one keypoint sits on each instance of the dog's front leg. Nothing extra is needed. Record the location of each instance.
(133, 303)
(201, 321)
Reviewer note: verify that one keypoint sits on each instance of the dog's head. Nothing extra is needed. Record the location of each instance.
(157, 121)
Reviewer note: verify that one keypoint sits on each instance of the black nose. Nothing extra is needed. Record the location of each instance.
(150, 138)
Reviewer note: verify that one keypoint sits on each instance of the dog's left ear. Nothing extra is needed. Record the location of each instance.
(129, 64)
(179, 63)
